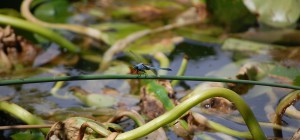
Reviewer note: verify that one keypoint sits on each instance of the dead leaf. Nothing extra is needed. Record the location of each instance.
(15, 50)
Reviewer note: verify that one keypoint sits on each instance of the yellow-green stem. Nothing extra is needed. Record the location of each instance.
(22, 114)
(32, 27)
(175, 113)
(288, 100)
(181, 70)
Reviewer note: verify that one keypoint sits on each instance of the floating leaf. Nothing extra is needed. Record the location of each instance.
(297, 81)
(275, 13)
(56, 11)
(93, 99)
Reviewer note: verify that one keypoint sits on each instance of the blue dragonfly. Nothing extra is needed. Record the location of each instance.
(141, 67)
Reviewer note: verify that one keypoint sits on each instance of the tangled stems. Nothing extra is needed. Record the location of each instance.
(32, 27)
(75, 28)
(165, 77)
(179, 110)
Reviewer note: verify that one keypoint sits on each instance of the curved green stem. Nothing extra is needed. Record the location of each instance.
(288, 100)
(221, 128)
(181, 70)
(22, 114)
(75, 28)
(131, 114)
(179, 110)
(166, 77)
(32, 27)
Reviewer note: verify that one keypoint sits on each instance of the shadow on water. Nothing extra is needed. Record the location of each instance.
(203, 58)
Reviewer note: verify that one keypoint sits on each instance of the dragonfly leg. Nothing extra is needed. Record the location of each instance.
(144, 72)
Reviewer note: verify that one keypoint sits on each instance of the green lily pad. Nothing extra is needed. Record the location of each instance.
(56, 11)
(93, 99)
(275, 13)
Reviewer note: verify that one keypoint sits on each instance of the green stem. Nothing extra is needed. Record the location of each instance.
(179, 110)
(22, 114)
(25, 10)
(181, 70)
(102, 77)
(32, 27)
(220, 128)
(287, 101)
(136, 117)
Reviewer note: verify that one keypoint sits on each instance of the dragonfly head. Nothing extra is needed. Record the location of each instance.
(135, 67)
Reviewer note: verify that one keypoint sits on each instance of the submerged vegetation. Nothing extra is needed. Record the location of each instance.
(103, 69)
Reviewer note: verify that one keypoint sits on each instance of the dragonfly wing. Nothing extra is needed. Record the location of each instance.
(154, 71)
(157, 68)
(167, 69)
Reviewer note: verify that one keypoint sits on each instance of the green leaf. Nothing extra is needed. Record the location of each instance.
(118, 30)
(161, 93)
(28, 135)
(233, 44)
(56, 11)
(230, 13)
(297, 81)
(10, 12)
(275, 13)
(291, 73)
(94, 99)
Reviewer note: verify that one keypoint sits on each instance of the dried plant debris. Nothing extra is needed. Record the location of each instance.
(296, 136)
(77, 128)
(155, 104)
(69, 129)
(288, 57)
(150, 105)
(15, 51)
(218, 105)
(250, 71)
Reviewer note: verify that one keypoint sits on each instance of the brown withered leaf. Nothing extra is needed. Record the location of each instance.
(180, 131)
(68, 129)
(15, 50)
(288, 57)
(150, 105)
(218, 105)
(146, 13)
(247, 72)
(296, 135)
(198, 122)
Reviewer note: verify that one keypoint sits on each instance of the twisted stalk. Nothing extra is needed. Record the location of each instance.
(96, 34)
(136, 117)
(179, 110)
(287, 101)
(164, 77)
(32, 27)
